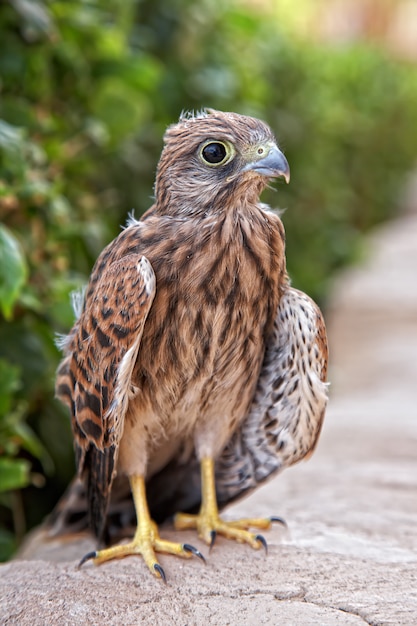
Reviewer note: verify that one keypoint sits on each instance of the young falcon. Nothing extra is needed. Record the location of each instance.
(191, 346)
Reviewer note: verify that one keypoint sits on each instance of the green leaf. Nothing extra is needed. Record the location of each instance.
(8, 544)
(9, 384)
(14, 474)
(35, 19)
(30, 442)
(13, 271)
(11, 137)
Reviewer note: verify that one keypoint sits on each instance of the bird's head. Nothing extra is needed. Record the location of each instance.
(212, 159)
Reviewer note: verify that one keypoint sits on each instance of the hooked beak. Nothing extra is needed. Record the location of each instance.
(273, 165)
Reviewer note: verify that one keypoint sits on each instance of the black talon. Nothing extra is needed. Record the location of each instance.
(188, 548)
(279, 520)
(262, 540)
(160, 571)
(87, 557)
(213, 536)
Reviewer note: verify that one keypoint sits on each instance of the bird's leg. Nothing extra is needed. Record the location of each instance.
(208, 522)
(146, 541)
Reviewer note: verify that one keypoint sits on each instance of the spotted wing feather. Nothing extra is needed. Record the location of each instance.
(284, 422)
(94, 378)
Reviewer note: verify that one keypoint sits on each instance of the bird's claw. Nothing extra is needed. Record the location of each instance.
(188, 548)
(87, 557)
(160, 572)
(213, 537)
(262, 541)
(278, 520)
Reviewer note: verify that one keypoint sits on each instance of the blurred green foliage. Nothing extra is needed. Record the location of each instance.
(86, 91)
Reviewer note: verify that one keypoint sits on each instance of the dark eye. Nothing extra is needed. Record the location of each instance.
(214, 152)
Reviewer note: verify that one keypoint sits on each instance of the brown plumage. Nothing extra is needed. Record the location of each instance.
(191, 344)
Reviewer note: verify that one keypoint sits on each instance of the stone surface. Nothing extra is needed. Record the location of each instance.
(349, 555)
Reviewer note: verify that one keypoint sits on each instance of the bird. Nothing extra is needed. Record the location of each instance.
(194, 370)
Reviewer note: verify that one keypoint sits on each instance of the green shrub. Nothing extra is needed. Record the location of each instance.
(86, 90)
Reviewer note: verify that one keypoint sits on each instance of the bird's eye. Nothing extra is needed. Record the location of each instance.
(216, 153)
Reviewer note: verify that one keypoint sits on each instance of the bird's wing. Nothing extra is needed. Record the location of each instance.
(94, 378)
(285, 419)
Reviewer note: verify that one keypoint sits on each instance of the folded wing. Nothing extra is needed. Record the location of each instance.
(286, 415)
(94, 378)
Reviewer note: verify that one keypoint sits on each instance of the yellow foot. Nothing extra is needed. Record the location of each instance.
(210, 525)
(146, 540)
(145, 545)
(208, 522)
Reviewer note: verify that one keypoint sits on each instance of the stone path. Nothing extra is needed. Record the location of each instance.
(350, 554)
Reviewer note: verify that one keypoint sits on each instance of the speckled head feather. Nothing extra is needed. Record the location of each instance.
(192, 115)
(192, 129)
